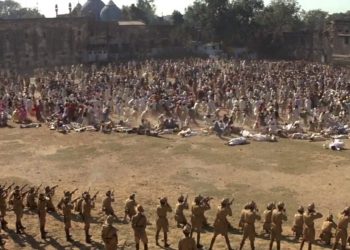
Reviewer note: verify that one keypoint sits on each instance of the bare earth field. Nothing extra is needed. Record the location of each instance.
(296, 172)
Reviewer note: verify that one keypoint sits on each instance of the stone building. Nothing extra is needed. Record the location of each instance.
(340, 41)
(93, 32)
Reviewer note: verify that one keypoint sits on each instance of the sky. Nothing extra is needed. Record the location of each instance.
(166, 7)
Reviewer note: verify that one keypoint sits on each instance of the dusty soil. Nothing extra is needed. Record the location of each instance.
(296, 172)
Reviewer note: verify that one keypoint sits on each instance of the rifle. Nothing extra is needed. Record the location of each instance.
(75, 200)
(53, 188)
(37, 190)
(26, 192)
(9, 187)
(73, 192)
(206, 200)
(231, 202)
(94, 197)
(23, 187)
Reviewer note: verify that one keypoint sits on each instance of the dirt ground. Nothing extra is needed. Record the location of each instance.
(296, 172)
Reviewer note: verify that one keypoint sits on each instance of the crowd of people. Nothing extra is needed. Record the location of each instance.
(41, 203)
(290, 99)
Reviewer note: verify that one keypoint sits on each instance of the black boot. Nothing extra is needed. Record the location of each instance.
(43, 233)
(18, 228)
(68, 236)
(137, 246)
(87, 237)
(2, 242)
(4, 224)
(145, 246)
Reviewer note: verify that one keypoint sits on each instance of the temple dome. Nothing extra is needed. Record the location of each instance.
(110, 12)
(92, 8)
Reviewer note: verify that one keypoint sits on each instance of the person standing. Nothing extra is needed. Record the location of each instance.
(267, 217)
(130, 205)
(341, 233)
(109, 234)
(248, 217)
(162, 220)
(277, 218)
(87, 206)
(107, 204)
(42, 214)
(297, 227)
(18, 207)
(139, 224)
(309, 226)
(200, 205)
(221, 224)
(179, 211)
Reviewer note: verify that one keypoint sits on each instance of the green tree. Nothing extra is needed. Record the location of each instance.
(177, 18)
(10, 9)
(314, 19)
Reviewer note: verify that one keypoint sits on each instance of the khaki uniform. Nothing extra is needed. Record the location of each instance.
(179, 213)
(309, 225)
(267, 220)
(139, 223)
(67, 214)
(248, 219)
(42, 212)
(18, 207)
(187, 244)
(130, 207)
(49, 203)
(107, 205)
(110, 237)
(3, 204)
(162, 221)
(326, 231)
(277, 219)
(341, 233)
(197, 217)
(31, 200)
(298, 224)
(221, 224)
(86, 212)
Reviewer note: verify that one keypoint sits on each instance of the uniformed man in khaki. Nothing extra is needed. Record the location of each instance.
(298, 224)
(199, 206)
(87, 206)
(221, 224)
(18, 207)
(309, 232)
(278, 216)
(130, 206)
(109, 234)
(67, 207)
(181, 205)
(107, 204)
(3, 207)
(162, 220)
(66, 194)
(248, 218)
(341, 233)
(267, 217)
(31, 199)
(42, 214)
(49, 193)
(326, 231)
(139, 224)
(187, 243)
